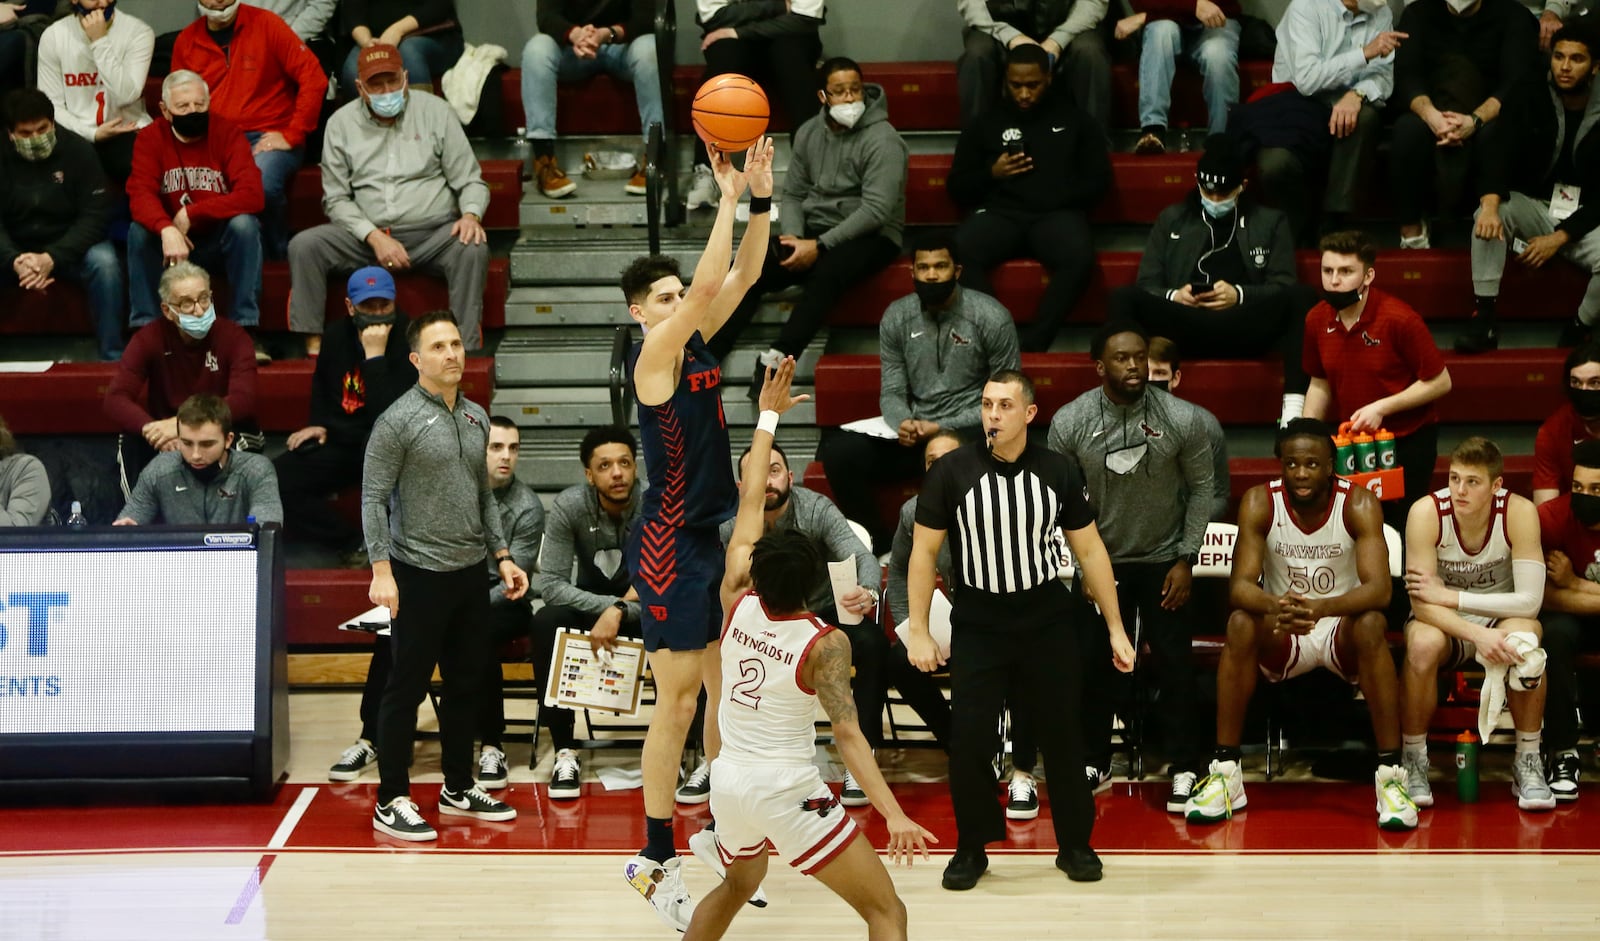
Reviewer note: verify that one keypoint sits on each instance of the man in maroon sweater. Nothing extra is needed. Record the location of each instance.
(195, 190)
(186, 352)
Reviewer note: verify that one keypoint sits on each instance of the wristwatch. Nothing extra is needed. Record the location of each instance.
(1192, 558)
(621, 605)
(499, 559)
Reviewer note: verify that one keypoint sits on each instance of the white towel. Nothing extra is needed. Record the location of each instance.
(463, 85)
(1520, 676)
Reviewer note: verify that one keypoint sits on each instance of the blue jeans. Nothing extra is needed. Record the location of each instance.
(1215, 51)
(277, 169)
(425, 59)
(100, 273)
(237, 246)
(545, 64)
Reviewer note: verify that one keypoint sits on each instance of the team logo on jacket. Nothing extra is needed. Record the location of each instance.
(1010, 135)
(1369, 339)
(958, 339)
(211, 362)
(1150, 432)
(1259, 256)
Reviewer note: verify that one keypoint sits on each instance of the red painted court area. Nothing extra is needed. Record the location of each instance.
(1299, 818)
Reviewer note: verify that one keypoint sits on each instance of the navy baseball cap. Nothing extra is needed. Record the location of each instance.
(367, 283)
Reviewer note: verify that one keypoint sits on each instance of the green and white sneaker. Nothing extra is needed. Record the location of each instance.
(1218, 796)
(1396, 809)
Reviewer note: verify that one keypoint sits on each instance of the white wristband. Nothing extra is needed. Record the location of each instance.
(768, 422)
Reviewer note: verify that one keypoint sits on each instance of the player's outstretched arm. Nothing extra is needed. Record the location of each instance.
(1094, 563)
(658, 355)
(752, 254)
(748, 523)
(1363, 517)
(827, 670)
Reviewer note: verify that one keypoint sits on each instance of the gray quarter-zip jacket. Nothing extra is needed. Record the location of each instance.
(896, 593)
(169, 492)
(936, 362)
(581, 565)
(425, 497)
(815, 515)
(24, 491)
(522, 520)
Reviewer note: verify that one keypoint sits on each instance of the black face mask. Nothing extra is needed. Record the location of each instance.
(206, 474)
(192, 125)
(934, 293)
(1339, 300)
(1586, 402)
(1586, 507)
(363, 321)
(1161, 384)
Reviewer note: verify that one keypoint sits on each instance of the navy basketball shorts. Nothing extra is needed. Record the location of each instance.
(678, 575)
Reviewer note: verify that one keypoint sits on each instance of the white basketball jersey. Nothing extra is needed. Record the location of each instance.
(1316, 563)
(1484, 571)
(767, 714)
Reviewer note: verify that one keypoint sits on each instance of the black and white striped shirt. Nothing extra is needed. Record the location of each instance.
(1003, 517)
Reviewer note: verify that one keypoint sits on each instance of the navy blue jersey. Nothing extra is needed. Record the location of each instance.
(685, 444)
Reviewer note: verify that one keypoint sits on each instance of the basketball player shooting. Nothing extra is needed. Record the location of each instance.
(674, 554)
(777, 662)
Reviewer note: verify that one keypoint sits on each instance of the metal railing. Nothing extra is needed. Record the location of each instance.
(661, 173)
(621, 390)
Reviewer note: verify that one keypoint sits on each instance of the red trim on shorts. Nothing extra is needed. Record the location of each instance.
(804, 858)
(832, 855)
(728, 859)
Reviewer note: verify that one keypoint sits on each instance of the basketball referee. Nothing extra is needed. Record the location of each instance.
(1006, 500)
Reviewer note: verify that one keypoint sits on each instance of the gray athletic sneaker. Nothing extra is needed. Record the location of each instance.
(1528, 785)
(1416, 765)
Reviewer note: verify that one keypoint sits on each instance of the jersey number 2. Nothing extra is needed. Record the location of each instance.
(747, 692)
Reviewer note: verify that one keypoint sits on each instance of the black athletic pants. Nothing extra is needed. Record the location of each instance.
(1060, 240)
(1248, 329)
(307, 476)
(1018, 646)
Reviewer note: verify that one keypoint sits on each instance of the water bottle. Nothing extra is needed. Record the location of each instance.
(1344, 454)
(76, 520)
(1467, 767)
(1366, 453)
(1384, 440)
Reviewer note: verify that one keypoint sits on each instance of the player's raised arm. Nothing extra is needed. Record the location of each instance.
(827, 670)
(663, 344)
(752, 246)
(748, 525)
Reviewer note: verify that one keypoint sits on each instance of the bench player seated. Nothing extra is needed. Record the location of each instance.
(778, 661)
(1467, 602)
(1309, 586)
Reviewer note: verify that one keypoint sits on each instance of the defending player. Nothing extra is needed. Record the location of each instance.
(777, 662)
(1464, 603)
(1309, 586)
(674, 554)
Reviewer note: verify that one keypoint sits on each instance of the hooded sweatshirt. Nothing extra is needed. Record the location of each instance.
(1071, 167)
(847, 182)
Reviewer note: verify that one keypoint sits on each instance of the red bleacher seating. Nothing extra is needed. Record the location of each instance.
(66, 398)
(316, 601)
(1141, 187)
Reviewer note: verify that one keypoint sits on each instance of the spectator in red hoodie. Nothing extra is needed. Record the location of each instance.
(194, 189)
(186, 352)
(264, 80)
(1205, 32)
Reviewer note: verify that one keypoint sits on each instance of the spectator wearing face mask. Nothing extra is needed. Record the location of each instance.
(1575, 422)
(1217, 275)
(93, 67)
(204, 481)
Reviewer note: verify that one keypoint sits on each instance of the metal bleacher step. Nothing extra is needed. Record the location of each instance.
(572, 305)
(570, 356)
(589, 256)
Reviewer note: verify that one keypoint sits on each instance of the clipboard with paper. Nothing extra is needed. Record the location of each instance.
(584, 677)
(938, 624)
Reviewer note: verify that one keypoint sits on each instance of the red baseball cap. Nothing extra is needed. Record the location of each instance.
(380, 58)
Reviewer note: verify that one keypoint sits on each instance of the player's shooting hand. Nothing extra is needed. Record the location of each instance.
(514, 578)
(1175, 587)
(729, 179)
(906, 839)
(758, 168)
(775, 395)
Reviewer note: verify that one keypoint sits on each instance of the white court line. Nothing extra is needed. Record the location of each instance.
(292, 818)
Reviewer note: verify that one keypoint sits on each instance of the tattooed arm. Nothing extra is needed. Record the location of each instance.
(827, 670)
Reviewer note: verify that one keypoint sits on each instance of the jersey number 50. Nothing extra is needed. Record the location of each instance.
(1304, 579)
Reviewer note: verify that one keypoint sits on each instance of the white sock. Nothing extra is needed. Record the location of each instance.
(1414, 743)
(1528, 742)
(1294, 403)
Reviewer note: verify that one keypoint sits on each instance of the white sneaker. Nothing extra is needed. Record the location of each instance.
(662, 886)
(1528, 785)
(1417, 786)
(703, 190)
(1219, 795)
(1396, 809)
(1420, 240)
(704, 847)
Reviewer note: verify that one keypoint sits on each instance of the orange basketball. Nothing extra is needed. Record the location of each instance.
(730, 112)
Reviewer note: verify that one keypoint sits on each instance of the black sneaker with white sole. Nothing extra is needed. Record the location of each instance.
(696, 788)
(1562, 774)
(491, 768)
(566, 776)
(1098, 780)
(1182, 789)
(356, 759)
(399, 818)
(850, 792)
(473, 802)
(1022, 797)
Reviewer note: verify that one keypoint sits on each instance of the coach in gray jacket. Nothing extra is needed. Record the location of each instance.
(204, 480)
(24, 485)
(1147, 462)
(403, 190)
(937, 346)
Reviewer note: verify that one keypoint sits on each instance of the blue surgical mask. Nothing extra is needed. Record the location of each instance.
(198, 327)
(1217, 208)
(388, 104)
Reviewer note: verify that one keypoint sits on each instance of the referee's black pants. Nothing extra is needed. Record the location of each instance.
(443, 622)
(1021, 646)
